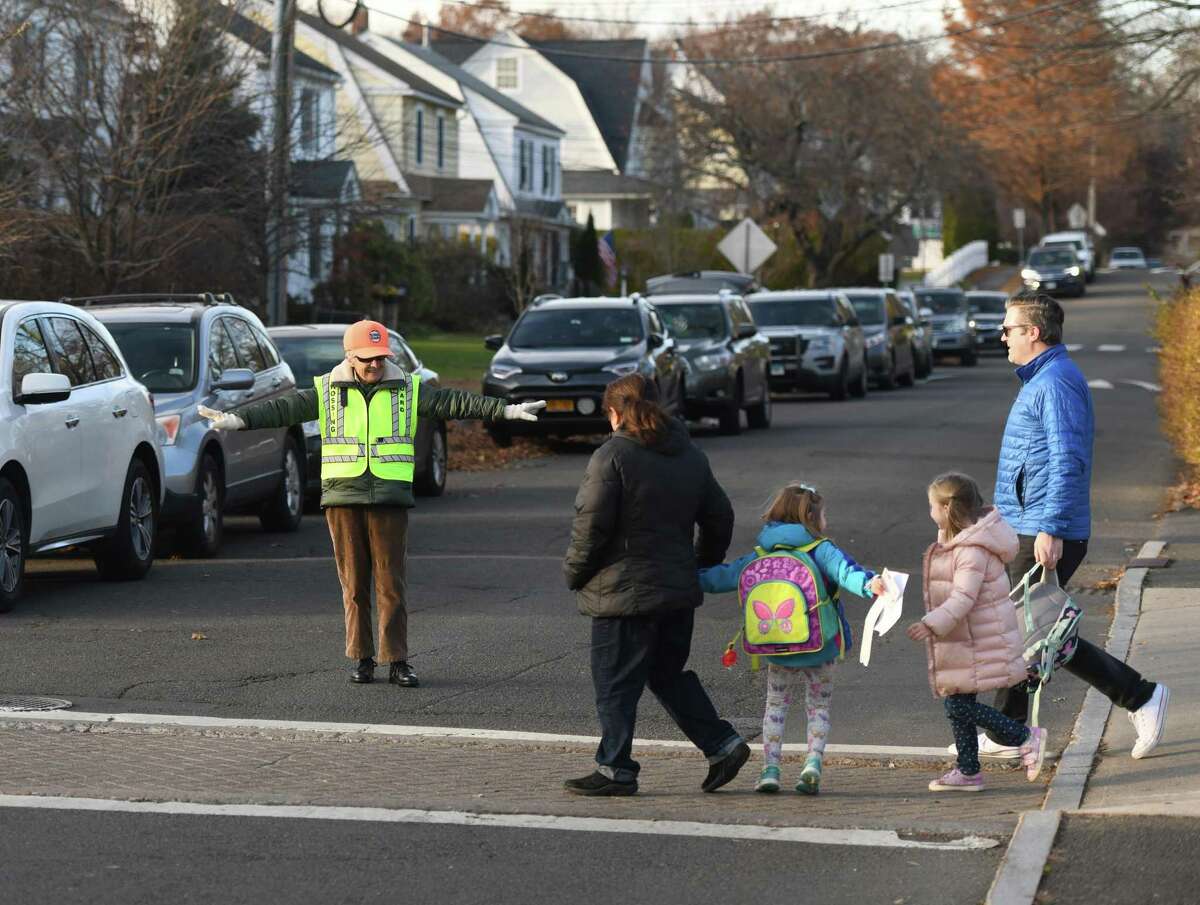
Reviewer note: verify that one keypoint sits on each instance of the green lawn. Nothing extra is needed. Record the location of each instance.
(455, 356)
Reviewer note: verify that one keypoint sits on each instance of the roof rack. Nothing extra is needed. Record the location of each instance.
(150, 298)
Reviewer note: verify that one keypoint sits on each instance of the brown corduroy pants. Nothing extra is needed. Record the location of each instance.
(370, 546)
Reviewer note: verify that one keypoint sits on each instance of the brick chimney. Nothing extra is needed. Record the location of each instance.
(359, 23)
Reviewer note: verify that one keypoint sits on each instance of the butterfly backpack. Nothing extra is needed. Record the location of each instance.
(786, 607)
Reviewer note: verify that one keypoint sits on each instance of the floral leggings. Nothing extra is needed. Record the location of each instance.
(782, 682)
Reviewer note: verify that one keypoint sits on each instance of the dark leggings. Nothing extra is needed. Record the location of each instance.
(965, 715)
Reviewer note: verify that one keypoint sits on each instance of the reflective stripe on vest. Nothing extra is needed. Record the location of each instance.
(357, 435)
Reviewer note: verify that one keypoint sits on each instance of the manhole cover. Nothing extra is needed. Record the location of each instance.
(10, 703)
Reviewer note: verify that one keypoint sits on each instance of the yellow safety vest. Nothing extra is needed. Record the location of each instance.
(356, 436)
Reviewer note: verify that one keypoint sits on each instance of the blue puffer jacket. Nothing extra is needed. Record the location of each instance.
(1044, 477)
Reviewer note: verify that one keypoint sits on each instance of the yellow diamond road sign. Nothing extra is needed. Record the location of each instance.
(746, 246)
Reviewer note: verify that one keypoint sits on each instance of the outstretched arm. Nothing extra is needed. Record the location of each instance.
(840, 570)
(294, 407)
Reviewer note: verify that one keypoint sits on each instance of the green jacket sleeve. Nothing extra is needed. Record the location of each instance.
(453, 405)
(295, 407)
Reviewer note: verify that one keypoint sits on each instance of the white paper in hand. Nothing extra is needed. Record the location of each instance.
(884, 613)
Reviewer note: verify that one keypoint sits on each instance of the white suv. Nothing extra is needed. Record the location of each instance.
(80, 462)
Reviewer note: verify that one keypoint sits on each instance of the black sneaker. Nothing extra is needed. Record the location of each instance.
(726, 768)
(402, 674)
(364, 673)
(597, 784)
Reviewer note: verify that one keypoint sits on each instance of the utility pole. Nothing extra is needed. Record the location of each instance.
(282, 40)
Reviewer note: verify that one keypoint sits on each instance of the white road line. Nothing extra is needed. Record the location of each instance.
(689, 828)
(1100, 385)
(1153, 350)
(1110, 347)
(1144, 384)
(1073, 347)
(396, 731)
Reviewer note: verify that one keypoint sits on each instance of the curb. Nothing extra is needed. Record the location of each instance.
(1020, 872)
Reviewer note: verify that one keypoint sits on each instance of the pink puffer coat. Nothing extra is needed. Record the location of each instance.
(976, 645)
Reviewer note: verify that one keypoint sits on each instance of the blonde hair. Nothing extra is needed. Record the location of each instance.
(797, 504)
(962, 496)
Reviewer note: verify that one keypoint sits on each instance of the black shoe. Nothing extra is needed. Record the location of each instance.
(597, 784)
(402, 674)
(364, 673)
(726, 768)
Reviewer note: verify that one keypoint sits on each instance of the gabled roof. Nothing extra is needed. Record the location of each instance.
(377, 59)
(448, 195)
(455, 49)
(524, 115)
(609, 87)
(323, 179)
(250, 32)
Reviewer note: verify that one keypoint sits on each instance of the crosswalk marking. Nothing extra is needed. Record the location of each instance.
(1145, 385)
(1074, 347)
(1110, 348)
(1100, 385)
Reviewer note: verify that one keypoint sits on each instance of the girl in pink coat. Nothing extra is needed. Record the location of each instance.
(970, 627)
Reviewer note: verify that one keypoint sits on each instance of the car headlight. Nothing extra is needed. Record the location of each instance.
(1028, 274)
(711, 361)
(503, 372)
(875, 340)
(821, 344)
(972, 324)
(168, 429)
(621, 368)
(311, 428)
(1073, 271)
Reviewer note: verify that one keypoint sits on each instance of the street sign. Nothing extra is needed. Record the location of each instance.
(1077, 216)
(746, 246)
(1018, 218)
(887, 268)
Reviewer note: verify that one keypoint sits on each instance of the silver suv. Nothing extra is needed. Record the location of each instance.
(202, 349)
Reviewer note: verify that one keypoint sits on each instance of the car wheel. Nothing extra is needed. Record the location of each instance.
(202, 538)
(759, 416)
(128, 555)
(12, 551)
(858, 389)
(731, 416)
(286, 506)
(839, 389)
(500, 435)
(433, 481)
(887, 380)
(970, 358)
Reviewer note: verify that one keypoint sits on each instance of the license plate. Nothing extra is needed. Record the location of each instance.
(776, 370)
(560, 405)
(1051, 285)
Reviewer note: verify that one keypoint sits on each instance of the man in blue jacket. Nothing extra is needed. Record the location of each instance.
(1043, 483)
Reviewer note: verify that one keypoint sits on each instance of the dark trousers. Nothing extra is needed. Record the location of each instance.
(629, 653)
(966, 717)
(1120, 682)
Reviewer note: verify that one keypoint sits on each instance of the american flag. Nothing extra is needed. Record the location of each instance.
(608, 256)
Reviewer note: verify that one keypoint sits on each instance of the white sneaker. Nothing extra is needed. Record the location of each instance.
(1149, 720)
(989, 748)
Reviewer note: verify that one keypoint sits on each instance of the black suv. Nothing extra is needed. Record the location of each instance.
(567, 351)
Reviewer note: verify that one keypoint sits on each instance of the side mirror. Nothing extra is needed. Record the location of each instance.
(654, 340)
(234, 379)
(493, 342)
(41, 389)
(926, 312)
(745, 331)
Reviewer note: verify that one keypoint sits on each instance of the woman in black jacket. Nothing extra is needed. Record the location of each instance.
(632, 561)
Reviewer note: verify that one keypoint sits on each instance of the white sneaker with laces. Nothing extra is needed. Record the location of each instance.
(1149, 720)
(989, 748)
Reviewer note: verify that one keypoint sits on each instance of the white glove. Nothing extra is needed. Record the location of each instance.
(523, 411)
(222, 421)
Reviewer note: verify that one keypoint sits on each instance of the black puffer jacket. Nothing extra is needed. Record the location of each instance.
(634, 548)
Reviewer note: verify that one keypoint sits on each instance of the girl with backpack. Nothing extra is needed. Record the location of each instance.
(789, 592)
(970, 628)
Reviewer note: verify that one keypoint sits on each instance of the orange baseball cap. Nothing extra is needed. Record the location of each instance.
(366, 339)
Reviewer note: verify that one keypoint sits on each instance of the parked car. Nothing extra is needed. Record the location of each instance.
(201, 349)
(922, 332)
(987, 314)
(1056, 271)
(817, 343)
(567, 351)
(888, 332)
(950, 317)
(1127, 257)
(727, 358)
(702, 281)
(311, 350)
(80, 463)
(1080, 242)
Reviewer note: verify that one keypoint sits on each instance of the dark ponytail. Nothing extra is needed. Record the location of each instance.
(635, 400)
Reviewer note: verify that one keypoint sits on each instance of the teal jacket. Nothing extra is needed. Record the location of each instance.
(301, 405)
(837, 568)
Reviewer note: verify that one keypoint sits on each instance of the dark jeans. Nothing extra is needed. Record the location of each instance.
(1121, 683)
(966, 716)
(629, 653)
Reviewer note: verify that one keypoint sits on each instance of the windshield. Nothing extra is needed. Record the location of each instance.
(161, 356)
(310, 356)
(681, 285)
(1074, 246)
(1127, 253)
(941, 302)
(700, 321)
(814, 312)
(868, 307)
(987, 304)
(576, 328)
(1052, 258)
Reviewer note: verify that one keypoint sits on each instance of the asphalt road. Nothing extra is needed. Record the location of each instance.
(498, 644)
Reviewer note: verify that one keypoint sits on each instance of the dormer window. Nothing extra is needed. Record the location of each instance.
(506, 74)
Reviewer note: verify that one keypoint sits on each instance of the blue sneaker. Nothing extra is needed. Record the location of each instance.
(768, 780)
(810, 776)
